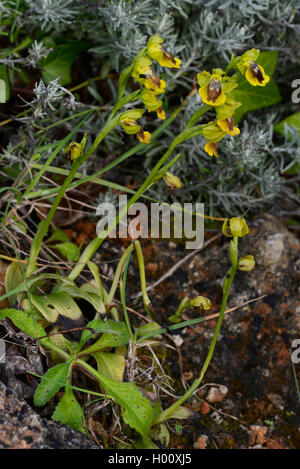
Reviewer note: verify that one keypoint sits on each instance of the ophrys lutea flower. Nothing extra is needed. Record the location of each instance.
(227, 125)
(156, 51)
(151, 103)
(128, 121)
(143, 73)
(214, 87)
(247, 65)
(255, 73)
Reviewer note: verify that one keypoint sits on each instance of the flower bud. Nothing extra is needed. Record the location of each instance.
(75, 149)
(246, 263)
(172, 181)
(200, 302)
(237, 227)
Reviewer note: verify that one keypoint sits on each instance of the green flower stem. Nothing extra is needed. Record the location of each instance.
(96, 243)
(141, 264)
(166, 414)
(44, 225)
(176, 317)
(123, 299)
(118, 273)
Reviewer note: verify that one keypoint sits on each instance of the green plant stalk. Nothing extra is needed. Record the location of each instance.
(96, 243)
(227, 285)
(123, 298)
(45, 224)
(141, 264)
(118, 273)
(176, 317)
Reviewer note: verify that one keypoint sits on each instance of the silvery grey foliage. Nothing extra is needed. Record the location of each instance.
(37, 52)
(52, 13)
(246, 177)
(204, 33)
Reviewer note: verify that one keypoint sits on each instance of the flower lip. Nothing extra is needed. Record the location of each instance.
(211, 149)
(255, 69)
(143, 136)
(230, 123)
(214, 89)
(168, 56)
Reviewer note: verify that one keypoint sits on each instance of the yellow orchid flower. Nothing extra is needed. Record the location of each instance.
(211, 92)
(214, 87)
(211, 149)
(152, 103)
(141, 69)
(143, 73)
(255, 73)
(156, 51)
(227, 125)
(130, 125)
(143, 137)
(237, 227)
(153, 83)
(247, 65)
(76, 149)
(201, 302)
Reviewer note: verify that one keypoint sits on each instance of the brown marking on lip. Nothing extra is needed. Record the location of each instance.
(256, 71)
(168, 55)
(214, 89)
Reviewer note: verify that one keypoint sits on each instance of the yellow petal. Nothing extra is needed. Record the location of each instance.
(217, 102)
(155, 87)
(253, 79)
(211, 149)
(224, 125)
(144, 137)
(161, 113)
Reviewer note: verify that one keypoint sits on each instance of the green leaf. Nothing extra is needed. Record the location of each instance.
(69, 412)
(256, 97)
(4, 85)
(58, 63)
(111, 365)
(69, 250)
(268, 60)
(90, 296)
(116, 339)
(136, 410)
(26, 284)
(291, 121)
(54, 379)
(13, 278)
(58, 235)
(97, 325)
(55, 304)
(26, 323)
